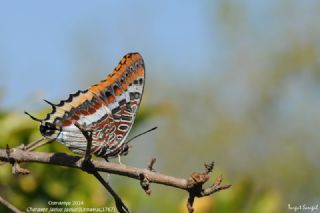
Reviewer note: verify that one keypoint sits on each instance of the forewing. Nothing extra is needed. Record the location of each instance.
(107, 109)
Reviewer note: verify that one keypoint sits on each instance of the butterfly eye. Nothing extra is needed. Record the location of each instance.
(58, 121)
(47, 129)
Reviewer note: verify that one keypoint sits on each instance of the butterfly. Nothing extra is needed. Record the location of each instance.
(107, 110)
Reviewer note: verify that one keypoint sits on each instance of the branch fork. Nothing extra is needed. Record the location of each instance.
(196, 182)
(16, 169)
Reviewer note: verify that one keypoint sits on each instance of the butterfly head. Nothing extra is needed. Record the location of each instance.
(47, 129)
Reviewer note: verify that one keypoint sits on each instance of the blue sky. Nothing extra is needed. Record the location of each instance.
(49, 49)
(47, 46)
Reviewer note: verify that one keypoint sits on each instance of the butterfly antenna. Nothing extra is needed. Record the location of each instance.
(33, 118)
(134, 137)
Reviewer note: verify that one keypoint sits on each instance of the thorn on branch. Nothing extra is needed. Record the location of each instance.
(16, 169)
(218, 180)
(215, 187)
(8, 154)
(151, 164)
(209, 167)
(145, 183)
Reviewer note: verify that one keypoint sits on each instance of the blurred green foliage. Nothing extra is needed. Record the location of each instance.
(258, 119)
(53, 183)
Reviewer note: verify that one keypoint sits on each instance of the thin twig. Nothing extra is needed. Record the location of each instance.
(151, 164)
(121, 207)
(9, 205)
(89, 167)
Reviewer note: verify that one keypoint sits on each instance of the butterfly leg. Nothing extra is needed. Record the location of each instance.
(119, 159)
(36, 144)
(30, 145)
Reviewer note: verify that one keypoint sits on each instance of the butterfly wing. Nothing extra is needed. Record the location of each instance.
(107, 109)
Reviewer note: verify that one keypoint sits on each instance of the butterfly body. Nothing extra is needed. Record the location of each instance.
(106, 109)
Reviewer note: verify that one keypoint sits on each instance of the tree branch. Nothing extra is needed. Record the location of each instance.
(193, 185)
